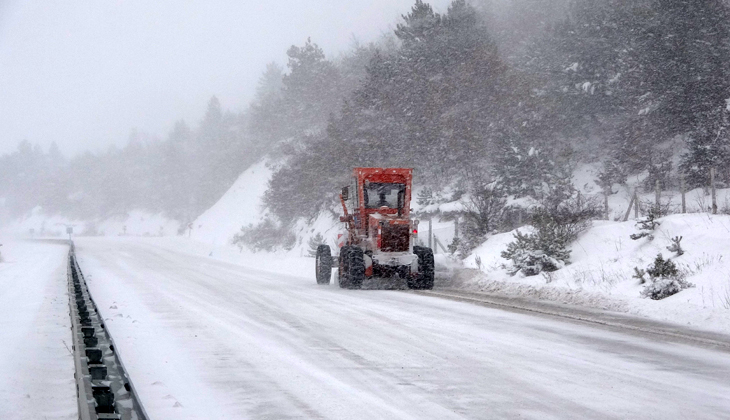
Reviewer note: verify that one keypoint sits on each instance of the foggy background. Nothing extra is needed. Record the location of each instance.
(84, 73)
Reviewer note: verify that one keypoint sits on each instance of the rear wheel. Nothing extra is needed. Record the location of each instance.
(354, 268)
(424, 279)
(342, 272)
(323, 264)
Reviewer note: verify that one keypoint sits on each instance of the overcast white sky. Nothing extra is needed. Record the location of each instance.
(83, 73)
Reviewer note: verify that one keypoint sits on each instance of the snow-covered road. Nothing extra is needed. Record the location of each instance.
(205, 339)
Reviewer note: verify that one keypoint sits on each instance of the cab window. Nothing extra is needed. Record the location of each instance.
(384, 195)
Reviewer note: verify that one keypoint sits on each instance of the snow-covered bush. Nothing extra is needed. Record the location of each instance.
(676, 246)
(662, 268)
(665, 279)
(646, 225)
(546, 249)
(266, 236)
(528, 257)
(664, 287)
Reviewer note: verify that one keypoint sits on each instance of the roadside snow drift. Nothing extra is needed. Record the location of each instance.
(602, 268)
(36, 366)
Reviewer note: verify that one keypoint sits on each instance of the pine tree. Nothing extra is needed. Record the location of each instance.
(311, 89)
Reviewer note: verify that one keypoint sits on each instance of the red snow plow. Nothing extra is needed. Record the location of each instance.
(380, 233)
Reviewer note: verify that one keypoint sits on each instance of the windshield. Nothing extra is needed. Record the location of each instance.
(382, 194)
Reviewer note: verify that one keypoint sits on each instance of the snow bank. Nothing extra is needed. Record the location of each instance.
(36, 365)
(602, 266)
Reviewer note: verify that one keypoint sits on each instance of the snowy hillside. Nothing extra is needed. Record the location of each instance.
(240, 206)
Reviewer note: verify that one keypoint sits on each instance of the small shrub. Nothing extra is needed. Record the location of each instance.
(266, 236)
(647, 226)
(637, 236)
(639, 275)
(662, 268)
(665, 279)
(556, 226)
(664, 287)
(529, 257)
(676, 247)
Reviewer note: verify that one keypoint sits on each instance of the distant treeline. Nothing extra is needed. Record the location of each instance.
(180, 176)
(510, 96)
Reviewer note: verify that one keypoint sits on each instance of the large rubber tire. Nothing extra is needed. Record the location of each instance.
(355, 269)
(341, 273)
(323, 264)
(424, 279)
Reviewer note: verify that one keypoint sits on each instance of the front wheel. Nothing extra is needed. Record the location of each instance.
(323, 264)
(424, 278)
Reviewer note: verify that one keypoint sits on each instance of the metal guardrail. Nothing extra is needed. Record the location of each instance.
(103, 387)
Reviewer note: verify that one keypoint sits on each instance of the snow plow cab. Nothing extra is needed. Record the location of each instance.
(380, 235)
